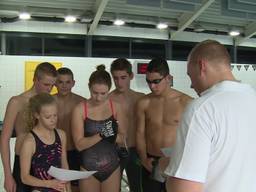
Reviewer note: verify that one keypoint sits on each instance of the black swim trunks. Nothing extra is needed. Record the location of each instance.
(20, 187)
(73, 163)
(148, 182)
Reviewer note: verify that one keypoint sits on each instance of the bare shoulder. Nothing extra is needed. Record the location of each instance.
(24, 97)
(18, 99)
(116, 104)
(114, 96)
(144, 100)
(29, 140)
(78, 98)
(15, 100)
(18, 102)
(80, 106)
(61, 133)
(112, 93)
(186, 99)
(183, 98)
(138, 95)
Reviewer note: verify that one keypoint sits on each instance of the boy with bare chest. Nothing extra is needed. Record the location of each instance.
(66, 101)
(158, 115)
(43, 81)
(121, 71)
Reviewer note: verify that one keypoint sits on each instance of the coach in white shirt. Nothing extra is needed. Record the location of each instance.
(215, 148)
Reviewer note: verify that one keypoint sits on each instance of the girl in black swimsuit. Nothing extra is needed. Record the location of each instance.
(43, 147)
(96, 127)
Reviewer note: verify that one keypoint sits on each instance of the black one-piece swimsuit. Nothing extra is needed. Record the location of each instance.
(102, 156)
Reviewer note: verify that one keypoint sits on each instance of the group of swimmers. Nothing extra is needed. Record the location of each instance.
(68, 131)
(123, 129)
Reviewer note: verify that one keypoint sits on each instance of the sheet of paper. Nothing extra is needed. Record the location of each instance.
(167, 151)
(68, 175)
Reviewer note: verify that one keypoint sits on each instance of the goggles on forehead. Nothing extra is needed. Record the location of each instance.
(155, 81)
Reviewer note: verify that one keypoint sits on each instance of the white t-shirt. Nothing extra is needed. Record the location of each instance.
(216, 140)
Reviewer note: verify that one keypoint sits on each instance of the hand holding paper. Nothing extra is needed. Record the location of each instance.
(68, 175)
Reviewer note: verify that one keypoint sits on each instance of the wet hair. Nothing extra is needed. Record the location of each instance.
(158, 65)
(34, 106)
(121, 64)
(45, 68)
(212, 51)
(65, 71)
(100, 76)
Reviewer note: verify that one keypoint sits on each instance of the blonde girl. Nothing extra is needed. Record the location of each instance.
(44, 146)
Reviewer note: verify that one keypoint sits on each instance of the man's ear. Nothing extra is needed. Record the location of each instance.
(131, 75)
(34, 79)
(202, 66)
(36, 115)
(170, 79)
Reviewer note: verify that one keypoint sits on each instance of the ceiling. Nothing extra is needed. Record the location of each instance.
(212, 16)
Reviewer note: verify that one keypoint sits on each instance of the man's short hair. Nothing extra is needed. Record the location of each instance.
(45, 68)
(65, 71)
(212, 51)
(121, 64)
(158, 65)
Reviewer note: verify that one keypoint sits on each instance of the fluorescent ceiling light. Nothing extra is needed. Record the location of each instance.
(198, 28)
(119, 22)
(162, 26)
(234, 32)
(24, 15)
(70, 19)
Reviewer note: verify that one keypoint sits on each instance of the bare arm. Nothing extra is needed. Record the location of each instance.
(27, 151)
(8, 126)
(140, 135)
(140, 132)
(64, 162)
(121, 136)
(180, 185)
(185, 100)
(174, 184)
(77, 126)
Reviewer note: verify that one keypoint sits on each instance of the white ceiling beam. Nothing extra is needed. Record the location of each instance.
(250, 31)
(100, 6)
(187, 19)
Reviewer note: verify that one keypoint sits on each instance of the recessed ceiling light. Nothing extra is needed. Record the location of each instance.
(70, 19)
(198, 28)
(24, 15)
(162, 26)
(234, 32)
(119, 22)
